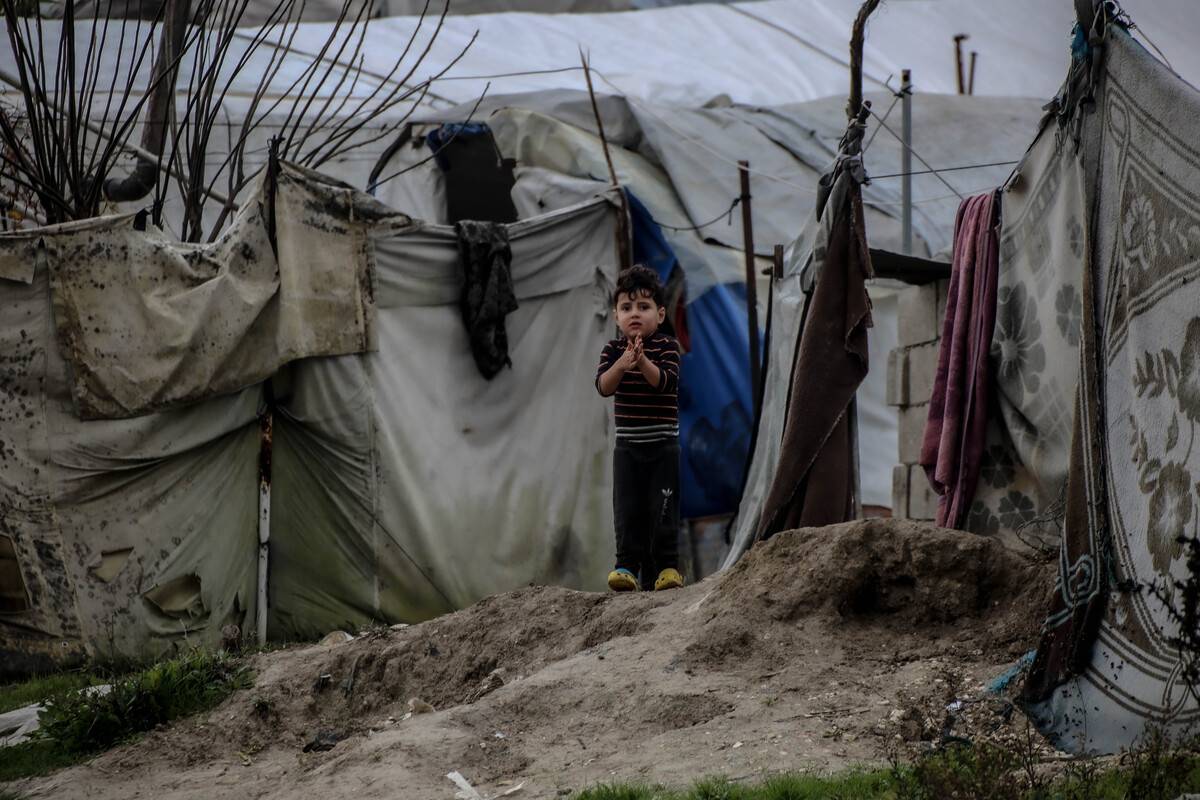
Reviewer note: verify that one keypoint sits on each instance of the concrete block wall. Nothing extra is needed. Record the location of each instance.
(911, 370)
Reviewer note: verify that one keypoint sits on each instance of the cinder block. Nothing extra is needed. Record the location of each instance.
(912, 432)
(918, 315)
(943, 296)
(897, 378)
(920, 370)
(922, 500)
(900, 491)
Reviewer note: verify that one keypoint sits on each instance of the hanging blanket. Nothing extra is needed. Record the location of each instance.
(487, 295)
(814, 480)
(1106, 667)
(958, 408)
(1035, 348)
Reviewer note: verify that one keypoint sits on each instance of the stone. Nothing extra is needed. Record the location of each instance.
(897, 378)
(918, 315)
(922, 500)
(912, 432)
(900, 491)
(920, 370)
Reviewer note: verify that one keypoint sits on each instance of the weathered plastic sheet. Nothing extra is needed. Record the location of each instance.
(148, 323)
(131, 537)
(405, 484)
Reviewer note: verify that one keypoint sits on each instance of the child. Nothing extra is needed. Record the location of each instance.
(642, 370)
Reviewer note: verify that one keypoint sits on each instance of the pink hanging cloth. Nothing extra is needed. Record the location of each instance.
(958, 410)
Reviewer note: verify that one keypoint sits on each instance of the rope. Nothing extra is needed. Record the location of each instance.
(945, 169)
(803, 41)
(886, 114)
(682, 135)
(1138, 29)
(927, 199)
(521, 74)
(917, 155)
(726, 215)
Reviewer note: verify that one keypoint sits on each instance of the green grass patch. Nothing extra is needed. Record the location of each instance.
(1153, 771)
(1156, 769)
(78, 723)
(85, 722)
(40, 688)
(850, 785)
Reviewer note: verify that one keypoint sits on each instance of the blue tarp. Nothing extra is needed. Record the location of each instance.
(715, 401)
(650, 247)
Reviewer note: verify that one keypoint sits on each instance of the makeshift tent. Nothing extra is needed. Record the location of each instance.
(760, 64)
(405, 484)
(1096, 347)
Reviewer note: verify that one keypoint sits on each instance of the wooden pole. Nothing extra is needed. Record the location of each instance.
(857, 36)
(971, 75)
(751, 281)
(625, 245)
(958, 61)
(777, 260)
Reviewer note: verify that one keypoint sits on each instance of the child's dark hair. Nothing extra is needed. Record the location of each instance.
(639, 281)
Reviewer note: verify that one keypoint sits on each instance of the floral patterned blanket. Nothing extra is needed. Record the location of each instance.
(1035, 348)
(1107, 666)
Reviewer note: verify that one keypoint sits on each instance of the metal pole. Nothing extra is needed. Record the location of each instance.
(751, 285)
(971, 77)
(777, 262)
(906, 161)
(266, 423)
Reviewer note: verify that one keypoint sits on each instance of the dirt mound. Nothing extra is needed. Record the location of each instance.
(877, 577)
(451, 661)
(915, 573)
(446, 660)
(793, 659)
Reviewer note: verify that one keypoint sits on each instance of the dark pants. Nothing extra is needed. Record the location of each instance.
(646, 507)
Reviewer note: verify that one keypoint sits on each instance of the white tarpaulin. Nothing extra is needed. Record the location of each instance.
(434, 487)
(683, 164)
(760, 53)
(129, 534)
(787, 310)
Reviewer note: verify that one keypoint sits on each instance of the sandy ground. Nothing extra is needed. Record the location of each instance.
(822, 649)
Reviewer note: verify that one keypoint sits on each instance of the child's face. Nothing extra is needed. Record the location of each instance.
(639, 316)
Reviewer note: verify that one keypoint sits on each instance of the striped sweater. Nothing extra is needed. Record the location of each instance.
(646, 413)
